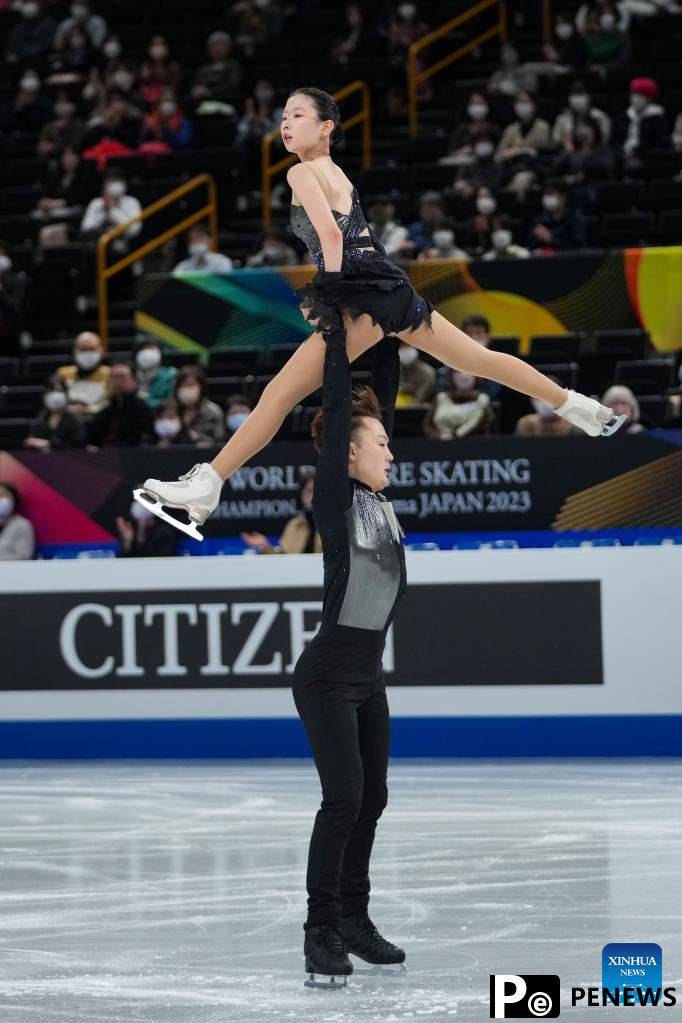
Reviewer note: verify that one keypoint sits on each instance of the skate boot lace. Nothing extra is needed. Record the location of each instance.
(330, 938)
(192, 472)
(369, 933)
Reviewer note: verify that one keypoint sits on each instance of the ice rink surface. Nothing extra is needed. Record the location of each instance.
(175, 892)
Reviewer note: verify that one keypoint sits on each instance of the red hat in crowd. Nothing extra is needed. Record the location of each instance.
(644, 87)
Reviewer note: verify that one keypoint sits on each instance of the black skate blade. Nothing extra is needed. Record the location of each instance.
(333, 984)
(614, 424)
(153, 504)
(380, 970)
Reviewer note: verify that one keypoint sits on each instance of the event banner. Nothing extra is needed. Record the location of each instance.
(501, 634)
(257, 308)
(479, 484)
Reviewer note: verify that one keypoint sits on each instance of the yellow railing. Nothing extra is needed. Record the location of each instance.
(415, 78)
(268, 169)
(104, 272)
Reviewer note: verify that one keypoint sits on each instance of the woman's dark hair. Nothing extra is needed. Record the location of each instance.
(303, 480)
(191, 375)
(167, 407)
(327, 109)
(365, 404)
(13, 491)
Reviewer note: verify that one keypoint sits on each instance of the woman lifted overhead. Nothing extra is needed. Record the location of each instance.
(357, 282)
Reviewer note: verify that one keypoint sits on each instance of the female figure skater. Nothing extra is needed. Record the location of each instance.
(374, 298)
(338, 686)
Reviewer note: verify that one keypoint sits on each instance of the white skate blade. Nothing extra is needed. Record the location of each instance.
(614, 424)
(152, 504)
(330, 985)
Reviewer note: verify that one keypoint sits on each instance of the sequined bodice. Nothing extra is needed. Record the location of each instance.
(352, 225)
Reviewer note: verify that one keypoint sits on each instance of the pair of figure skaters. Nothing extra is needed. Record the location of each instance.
(357, 298)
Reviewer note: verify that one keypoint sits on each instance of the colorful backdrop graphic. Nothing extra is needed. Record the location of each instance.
(257, 308)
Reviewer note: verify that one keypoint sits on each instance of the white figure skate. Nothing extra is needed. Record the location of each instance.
(595, 419)
(197, 492)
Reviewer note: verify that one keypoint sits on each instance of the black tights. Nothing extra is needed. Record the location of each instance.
(348, 729)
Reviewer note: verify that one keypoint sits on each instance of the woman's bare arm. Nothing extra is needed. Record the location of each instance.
(309, 193)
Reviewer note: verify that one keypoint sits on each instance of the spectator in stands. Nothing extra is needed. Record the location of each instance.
(116, 118)
(17, 538)
(167, 425)
(483, 169)
(203, 421)
(274, 251)
(87, 379)
(624, 403)
(111, 209)
(261, 114)
(417, 378)
(167, 123)
(73, 59)
(31, 39)
(463, 138)
(642, 126)
(478, 240)
(300, 535)
(113, 72)
(54, 426)
(155, 382)
(65, 131)
(583, 160)
(606, 42)
(385, 228)
(431, 218)
(463, 408)
(512, 77)
(158, 71)
(478, 328)
(201, 259)
(577, 112)
(220, 78)
(568, 49)
(543, 421)
(28, 111)
(521, 143)
(146, 536)
(252, 22)
(502, 239)
(66, 194)
(238, 409)
(357, 40)
(127, 419)
(560, 227)
(12, 290)
(83, 17)
(443, 246)
(404, 28)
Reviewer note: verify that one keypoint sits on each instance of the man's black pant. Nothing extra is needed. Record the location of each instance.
(348, 729)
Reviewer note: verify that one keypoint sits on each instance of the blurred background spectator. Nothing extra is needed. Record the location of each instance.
(126, 419)
(624, 403)
(17, 538)
(202, 420)
(461, 409)
(274, 251)
(385, 228)
(417, 378)
(200, 258)
(543, 421)
(155, 382)
(237, 410)
(55, 426)
(87, 378)
(300, 535)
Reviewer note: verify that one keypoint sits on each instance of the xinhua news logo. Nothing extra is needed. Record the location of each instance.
(524, 996)
(631, 974)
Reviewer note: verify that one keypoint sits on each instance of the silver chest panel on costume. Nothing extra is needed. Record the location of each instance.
(374, 569)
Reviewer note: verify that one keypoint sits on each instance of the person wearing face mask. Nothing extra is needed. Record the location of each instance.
(167, 425)
(502, 242)
(27, 112)
(625, 404)
(463, 139)
(82, 16)
(127, 419)
(404, 28)
(643, 125)
(299, 535)
(568, 50)
(417, 378)
(383, 225)
(203, 421)
(485, 205)
(116, 119)
(460, 410)
(31, 38)
(443, 246)
(261, 114)
(238, 408)
(87, 379)
(155, 382)
(167, 123)
(559, 228)
(543, 421)
(523, 139)
(606, 42)
(219, 79)
(274, 251)
(201, 259)
(578, 111)
(144, 536)
(111, 209)
(17, 538)
(158, 71)
(512, 77)
(55, 426)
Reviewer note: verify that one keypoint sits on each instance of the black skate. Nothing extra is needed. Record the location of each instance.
(361, 937)
(325, 954)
